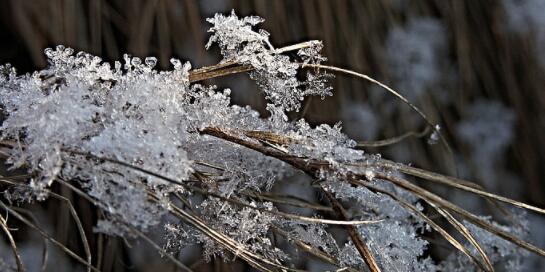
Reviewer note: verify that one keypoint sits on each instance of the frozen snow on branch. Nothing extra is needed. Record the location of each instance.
(274, 73)
(133, 138)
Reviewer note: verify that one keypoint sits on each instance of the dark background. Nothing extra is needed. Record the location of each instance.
(479, 66)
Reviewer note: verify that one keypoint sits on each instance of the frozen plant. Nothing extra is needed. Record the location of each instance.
(158, 149)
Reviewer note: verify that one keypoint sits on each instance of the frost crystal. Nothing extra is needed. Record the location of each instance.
(276, 74)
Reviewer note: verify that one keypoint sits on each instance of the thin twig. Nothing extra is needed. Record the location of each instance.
(288, 200)
(18, 261)
(456, 183)
(309, 166)
(46, 236)
(396, 94)
(235, 247)
(45, 254)
(393, 140)
(230, 67)
(73, 212)
(79, 226)
(465, 214)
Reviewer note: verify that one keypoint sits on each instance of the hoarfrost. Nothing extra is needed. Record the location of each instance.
(276, 74)
(81, 120)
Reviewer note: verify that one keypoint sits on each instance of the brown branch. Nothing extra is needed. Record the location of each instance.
(213, 73)
(230, 67)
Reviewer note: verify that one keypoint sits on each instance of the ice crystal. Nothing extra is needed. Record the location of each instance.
(328, 143)
(314, 235)
(397, 246)
(275, 73)
(435, 135)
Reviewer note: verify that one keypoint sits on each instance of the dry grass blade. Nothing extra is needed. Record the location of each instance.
(304, 166)
(390, 90)
(73, 212)
(456, 183)
(465, 232)
(297, 46)
(428, 220)
(45, 252)
(360, 245)
(230, 244)
(137, 232)
(215, 67)
(237, 249)
(307, 167)
(89, 155)
(209, 165)
(230, 67)
(463, 213)
(195, 77)
(225, 69)
(16, 255)
(393, 140)
(79, 226)
(46, 236)
(12, 181)
(287, 215)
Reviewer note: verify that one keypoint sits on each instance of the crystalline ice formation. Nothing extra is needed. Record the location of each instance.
(131, 137)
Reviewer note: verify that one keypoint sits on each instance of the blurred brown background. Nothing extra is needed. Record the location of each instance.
(474, 67)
